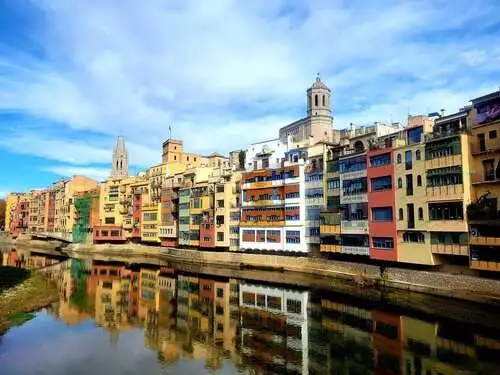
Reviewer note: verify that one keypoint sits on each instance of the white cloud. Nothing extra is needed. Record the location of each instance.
(226, 73)
(96, 173)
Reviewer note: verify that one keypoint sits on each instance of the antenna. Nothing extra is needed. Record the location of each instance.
(169, 132)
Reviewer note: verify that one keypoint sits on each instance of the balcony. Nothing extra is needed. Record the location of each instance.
(484, 211)
(258, 185)
(354, 198)
(262, 223)
(445, 161)
(354, 226)
(485, 265)
(445, 193)
(356, 250)
(485, 241)
(478, 178)
(450, 249)
(330, 248)
(262, 203)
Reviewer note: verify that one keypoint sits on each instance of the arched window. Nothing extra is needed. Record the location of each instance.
(417, 155)
(400, 183)
(359, 146)
(399, 158)
(324, 102)
(400, 214)
(420, 213)
(419, 180)
(316, 100)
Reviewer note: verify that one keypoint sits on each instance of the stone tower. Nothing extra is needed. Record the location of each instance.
(119, 168)
(318, 99)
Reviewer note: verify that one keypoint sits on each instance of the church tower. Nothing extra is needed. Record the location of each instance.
(119, 168)
(318, 99)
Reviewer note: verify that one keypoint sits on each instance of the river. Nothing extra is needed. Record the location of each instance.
(116, 317)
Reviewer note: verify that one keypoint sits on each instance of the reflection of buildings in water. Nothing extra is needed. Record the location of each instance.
(70, 314)
(204, 325)
(111, 286)
(349, 339)
(274, 328)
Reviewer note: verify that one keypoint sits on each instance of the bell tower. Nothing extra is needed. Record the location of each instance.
(318, 99)
(119, 169)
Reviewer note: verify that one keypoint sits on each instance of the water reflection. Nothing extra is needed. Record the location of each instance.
(262, 328)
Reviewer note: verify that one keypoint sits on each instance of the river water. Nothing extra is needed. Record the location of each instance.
(138, 318)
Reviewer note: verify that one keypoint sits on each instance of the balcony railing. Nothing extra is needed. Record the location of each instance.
(484, 240)
(331, 248)
(485, 265)
(450, 249)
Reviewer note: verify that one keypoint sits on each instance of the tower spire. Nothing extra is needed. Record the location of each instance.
(119, 168)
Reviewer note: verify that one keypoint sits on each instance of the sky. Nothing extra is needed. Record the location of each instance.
(76, 74)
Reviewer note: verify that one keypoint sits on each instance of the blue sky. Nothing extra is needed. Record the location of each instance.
(75, 74)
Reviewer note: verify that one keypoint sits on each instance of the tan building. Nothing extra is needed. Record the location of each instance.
(173, 153)
(38, 210)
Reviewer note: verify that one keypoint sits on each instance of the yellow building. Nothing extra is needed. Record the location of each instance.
(484, 213)
(411, 197)
(115, 209)
(173, 153)
(150, 223)
(448, 187)
(10, 206)
(64, 191)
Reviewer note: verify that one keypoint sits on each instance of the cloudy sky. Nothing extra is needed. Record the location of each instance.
(75, 74)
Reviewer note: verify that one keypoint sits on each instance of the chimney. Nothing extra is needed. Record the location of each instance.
(443, 112)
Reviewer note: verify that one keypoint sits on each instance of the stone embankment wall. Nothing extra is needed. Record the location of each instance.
(449, 285)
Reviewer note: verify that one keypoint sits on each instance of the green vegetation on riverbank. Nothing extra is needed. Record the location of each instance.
(22, 292)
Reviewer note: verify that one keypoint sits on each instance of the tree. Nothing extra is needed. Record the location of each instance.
(2, 214)
(242, 158)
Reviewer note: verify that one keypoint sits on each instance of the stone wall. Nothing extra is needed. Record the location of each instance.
(449, 285)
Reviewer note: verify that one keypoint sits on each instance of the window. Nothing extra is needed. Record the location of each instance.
(420, 213)
(109, 220)
(416, 237)
(380, 160)
(401, 215)
(446, 211)
(419, 180)
(149, 216)
(400, 183)
(175, 157)
(381, 183)
(220, 236)
(493, 134)
(444, 176)
(220, 203)
(382, 214)
(274, 302)
(384, 243)
(489, 170)
(324, 102)
(248, 298)
(354, 186)
(265, 163)
(352, 164)
(220, 293)
(408, 160)
(418, 156)
(316, 100)
(409, 184)
(293, 236)
(261, 300)
(333, 183)
(398, 158)
(293, 306)
(219, 219)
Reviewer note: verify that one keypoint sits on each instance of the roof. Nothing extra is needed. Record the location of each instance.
(487, 97)
(318, 84)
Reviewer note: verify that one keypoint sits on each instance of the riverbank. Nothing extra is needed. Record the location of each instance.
(23, 293)
(433, 282)
(463, 287)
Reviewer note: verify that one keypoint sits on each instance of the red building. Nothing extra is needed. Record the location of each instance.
(51, 213)
(19, 223)
(381, 205)
(207, 230)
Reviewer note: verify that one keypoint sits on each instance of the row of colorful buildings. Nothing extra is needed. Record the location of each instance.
(423, 193)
